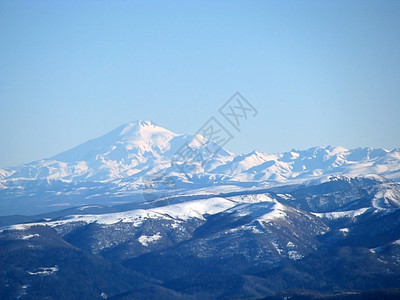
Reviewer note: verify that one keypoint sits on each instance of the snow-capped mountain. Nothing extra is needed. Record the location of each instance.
(129, 150)
(145, 161)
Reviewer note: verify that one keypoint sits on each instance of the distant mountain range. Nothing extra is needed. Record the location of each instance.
(142, 161)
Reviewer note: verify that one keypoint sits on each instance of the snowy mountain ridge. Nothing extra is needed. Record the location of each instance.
(142, 157)
(143, 146)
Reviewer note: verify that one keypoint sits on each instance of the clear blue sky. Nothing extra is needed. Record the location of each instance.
(319, 72)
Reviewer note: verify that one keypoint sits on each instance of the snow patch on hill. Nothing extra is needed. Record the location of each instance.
(342, 214)
(145, 240)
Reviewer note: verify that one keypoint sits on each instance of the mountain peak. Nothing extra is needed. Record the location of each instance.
(139, 125)
(142, 123)
(142, 130)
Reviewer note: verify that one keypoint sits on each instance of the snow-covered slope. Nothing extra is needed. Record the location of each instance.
(235, 220)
